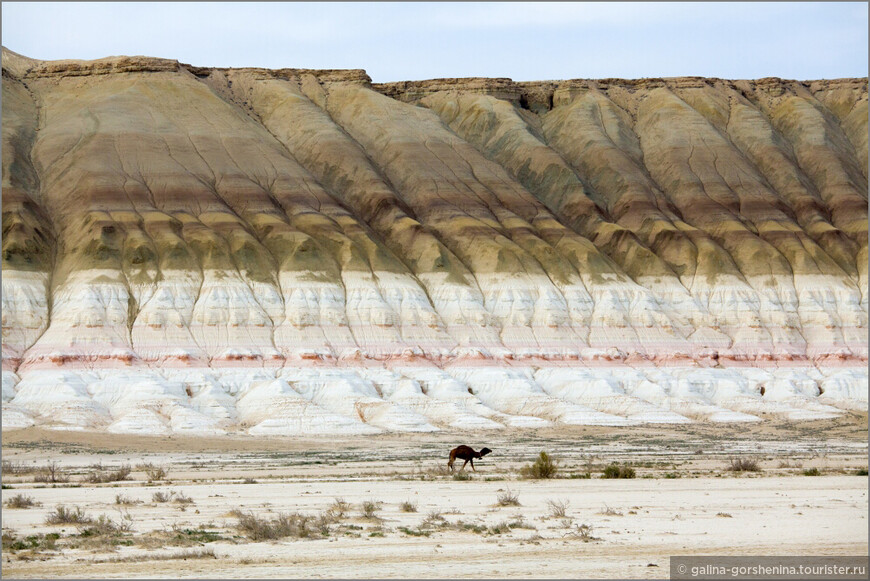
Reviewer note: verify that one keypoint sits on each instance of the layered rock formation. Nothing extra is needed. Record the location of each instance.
(191, 250)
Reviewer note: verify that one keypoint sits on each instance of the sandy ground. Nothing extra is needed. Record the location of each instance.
(683, 501)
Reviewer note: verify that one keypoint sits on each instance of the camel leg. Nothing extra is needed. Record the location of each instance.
(472, 466)
(464, 465)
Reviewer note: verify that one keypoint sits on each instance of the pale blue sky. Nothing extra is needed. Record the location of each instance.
(406, 41)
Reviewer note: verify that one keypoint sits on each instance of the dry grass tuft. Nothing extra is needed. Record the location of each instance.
(558, 508)
(284, 525)
(339, 508)
(408, 506)
(103, 526)
(610, 511)
(63, 515)
(368, 508)
(122, 500)
(99, 477)
(171, 496)
(508, 498)
(156, 473)
(14, 468)
(21, 501)
(582, 533)
(744, 465)
(207, 553)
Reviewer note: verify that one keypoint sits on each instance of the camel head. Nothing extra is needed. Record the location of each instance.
(484, 452)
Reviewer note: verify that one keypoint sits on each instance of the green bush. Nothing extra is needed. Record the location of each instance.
(614, 470)
(544, 467)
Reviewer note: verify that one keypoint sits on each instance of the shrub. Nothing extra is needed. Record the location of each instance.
(544, 467)
(156, 473)
(744, 465)
(283, 525)
(461, 476)
(370, 507)
(181, 499)
(98, 477)
(812, 472)
(51, 472)
(614, 470)
(104, 526)
(434, 518)
(408, 506)
(161, 496)
(21, 501)
(558, 508)
(508, 498)
(861, 472)
(339, 508)
(582, 532)
(610, 511)
(63, 515)
(9, 467)
(125, 500)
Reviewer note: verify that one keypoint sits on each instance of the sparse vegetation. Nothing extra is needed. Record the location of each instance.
(339, 508)
(558, 508)
(180, 498)
(508, 498)
(434, 518)
(15, 468)
(63, 515)
(52, 473)
(104, 526)
(723, 515)
(33, 543)
(581, 532)
(861, 472)
(408, 506)
(207, 553)
(122, 500)
(156, 473)
(614, 470)
(99, 477)
(171, 496)
(544, 467)
(462, 476)
(812, 472)
(284, 525)
(21, 501)
(744, 465)
(610, 511)
(415, 532)
(369, 508)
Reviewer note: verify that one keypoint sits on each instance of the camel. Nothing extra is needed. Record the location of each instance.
(466, 453)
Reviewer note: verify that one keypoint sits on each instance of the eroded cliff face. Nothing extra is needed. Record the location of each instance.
(291, 251)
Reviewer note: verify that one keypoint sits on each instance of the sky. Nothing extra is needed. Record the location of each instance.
(525, 41)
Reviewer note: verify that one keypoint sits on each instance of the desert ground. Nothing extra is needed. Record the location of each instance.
(386, 506)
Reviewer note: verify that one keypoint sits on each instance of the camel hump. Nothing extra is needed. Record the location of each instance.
(461, 450)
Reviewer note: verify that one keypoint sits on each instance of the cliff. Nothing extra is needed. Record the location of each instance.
(200, 250)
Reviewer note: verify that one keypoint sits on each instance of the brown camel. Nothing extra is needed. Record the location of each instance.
(466, 453)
